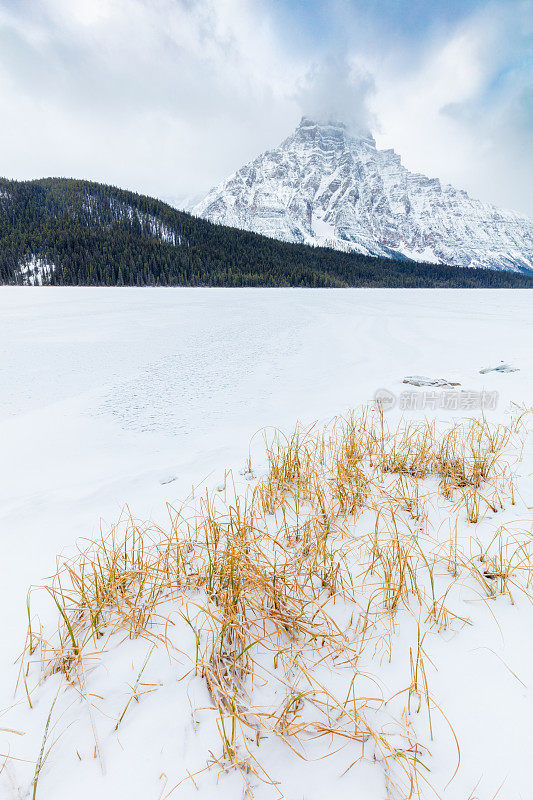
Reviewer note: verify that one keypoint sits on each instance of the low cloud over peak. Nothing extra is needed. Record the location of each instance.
(170, 97)
(335, 90)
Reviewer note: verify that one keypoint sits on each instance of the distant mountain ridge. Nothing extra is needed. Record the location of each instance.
(58, 231)
(326, 187)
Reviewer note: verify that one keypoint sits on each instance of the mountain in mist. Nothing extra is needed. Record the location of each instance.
(326, 186)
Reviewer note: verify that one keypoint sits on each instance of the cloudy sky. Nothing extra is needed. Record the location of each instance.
(168, 97)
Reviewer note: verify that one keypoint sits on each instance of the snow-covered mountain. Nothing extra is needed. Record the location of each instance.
(325, 186)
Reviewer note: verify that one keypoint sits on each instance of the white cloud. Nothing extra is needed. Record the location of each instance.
(169, 96)
(161, 96)
(447, 117)
(336, 89)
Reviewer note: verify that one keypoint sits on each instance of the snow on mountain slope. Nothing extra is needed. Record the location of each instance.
(325, 186)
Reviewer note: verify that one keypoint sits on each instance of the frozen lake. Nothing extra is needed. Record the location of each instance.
(99, 385)
(176, 360)
(132, 396)
(107, 393)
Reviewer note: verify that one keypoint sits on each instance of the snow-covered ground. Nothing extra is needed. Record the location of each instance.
(117, 396)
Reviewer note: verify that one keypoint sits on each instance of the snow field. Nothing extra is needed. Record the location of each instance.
(303, 621)
(115, 397)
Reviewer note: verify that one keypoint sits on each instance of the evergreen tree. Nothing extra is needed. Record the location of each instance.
(97, 235)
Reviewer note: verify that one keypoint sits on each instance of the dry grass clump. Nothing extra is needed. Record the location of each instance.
(293, 592)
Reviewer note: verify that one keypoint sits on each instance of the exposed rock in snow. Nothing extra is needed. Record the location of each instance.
(501, 367)
(324, 186)
(419, 380)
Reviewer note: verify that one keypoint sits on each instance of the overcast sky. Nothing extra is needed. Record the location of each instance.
(168, 97)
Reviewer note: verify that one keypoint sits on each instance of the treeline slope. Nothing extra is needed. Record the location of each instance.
(90, 234)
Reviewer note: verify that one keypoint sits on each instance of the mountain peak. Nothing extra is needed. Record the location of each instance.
(332, 125)
(326, 122)
(328, 185)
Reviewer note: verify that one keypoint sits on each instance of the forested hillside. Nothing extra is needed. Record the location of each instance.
(70, 232)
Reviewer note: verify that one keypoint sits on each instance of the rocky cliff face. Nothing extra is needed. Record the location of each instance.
(325, 186)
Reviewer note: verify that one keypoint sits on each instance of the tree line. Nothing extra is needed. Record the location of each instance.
(98, 235)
